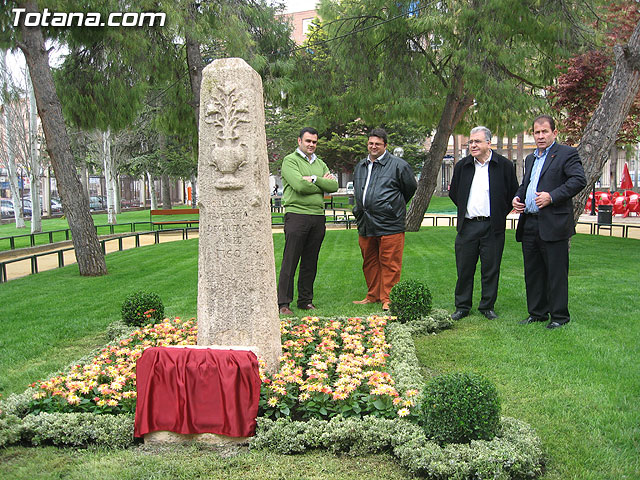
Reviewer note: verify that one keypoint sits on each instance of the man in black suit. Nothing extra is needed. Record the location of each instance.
(482, 187)
(553, 176)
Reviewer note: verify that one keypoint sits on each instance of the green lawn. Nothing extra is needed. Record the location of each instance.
(579, 386)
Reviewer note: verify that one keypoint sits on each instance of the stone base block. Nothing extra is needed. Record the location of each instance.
(163, 437)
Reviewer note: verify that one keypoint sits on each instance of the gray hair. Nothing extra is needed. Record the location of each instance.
(485, 130)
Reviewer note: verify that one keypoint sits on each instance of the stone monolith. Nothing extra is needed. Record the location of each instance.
(237, 304)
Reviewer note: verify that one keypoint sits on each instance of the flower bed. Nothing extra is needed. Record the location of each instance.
(329, 367)
(107, 383)
(342, 370)
(333, 367)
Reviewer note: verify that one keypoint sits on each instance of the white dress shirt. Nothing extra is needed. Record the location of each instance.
(479, 204)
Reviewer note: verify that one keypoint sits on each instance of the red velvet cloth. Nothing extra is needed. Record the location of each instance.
(197, 390)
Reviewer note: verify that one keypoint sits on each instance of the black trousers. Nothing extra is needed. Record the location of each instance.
(546, 274)
(477, 239)
(303, 235)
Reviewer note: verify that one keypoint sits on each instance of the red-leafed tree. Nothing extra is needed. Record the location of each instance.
(577, 91)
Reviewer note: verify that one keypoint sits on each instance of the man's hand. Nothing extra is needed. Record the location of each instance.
(308, 178)
(543, 199)
(518, 206)
(330, 176)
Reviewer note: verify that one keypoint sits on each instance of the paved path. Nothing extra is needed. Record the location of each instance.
(50, 261)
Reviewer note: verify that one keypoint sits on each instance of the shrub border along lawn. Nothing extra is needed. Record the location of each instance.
(516, 452)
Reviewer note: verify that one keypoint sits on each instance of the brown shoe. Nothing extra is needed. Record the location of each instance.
(308, 306)
(365, 301)
(385, 306)
(285, 310)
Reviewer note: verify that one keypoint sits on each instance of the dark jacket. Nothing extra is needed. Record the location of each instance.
(502, 187)
(563, 177)
(391, 186)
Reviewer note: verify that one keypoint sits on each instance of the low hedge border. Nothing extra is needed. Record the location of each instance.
(515, 453)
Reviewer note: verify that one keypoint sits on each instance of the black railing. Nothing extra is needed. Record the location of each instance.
(59, 252)
(35, 238)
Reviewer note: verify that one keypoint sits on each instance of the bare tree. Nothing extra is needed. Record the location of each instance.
(34, 162)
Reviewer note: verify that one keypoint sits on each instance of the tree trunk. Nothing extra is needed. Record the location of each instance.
(143, 193)
(109, 176)
(166, 192)
(46, 195)
(613, 168)
(499, 143)
(76, 206)
(8, 141)
(14, 185)
(152, 192)
(36, 216)
(195, 65)
(84, 179)
(118, 192)
(457, 103)
(601, 131)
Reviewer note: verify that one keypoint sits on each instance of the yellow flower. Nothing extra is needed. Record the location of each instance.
(273, 401)
(403, 412)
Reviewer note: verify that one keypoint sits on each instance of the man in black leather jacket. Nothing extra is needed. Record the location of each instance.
(383, 184)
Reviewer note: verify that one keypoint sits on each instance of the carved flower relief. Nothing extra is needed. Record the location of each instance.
(226, 113)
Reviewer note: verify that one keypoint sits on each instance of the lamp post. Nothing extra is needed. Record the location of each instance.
(593, 200)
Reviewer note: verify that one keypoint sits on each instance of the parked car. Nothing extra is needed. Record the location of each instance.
(7, 205)
(26, 207)
(98, 202)
(56, 205)
(27, 200)
(6, 210)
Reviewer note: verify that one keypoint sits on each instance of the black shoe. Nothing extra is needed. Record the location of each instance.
(490, 314)
(458, 314)
(308, 306)
(553, 324)
(531, 319)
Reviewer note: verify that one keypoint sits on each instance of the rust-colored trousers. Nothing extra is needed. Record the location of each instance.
(382, 264)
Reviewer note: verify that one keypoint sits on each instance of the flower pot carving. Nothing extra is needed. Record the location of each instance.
(226, 113)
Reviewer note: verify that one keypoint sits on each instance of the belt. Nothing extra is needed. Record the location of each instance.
(530, 214)
(479, 219)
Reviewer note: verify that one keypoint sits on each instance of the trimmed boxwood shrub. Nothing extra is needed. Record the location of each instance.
(141, 308)
(460, 407)
(410, 300)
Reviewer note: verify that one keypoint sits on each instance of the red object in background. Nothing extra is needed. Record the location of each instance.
(189, 194)
(633, 205)
(619, 207)
(197, 390)
(603, 198)
(587, 207)
(626, 178)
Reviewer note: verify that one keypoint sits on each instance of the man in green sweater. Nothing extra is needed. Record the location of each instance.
(305, 179)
